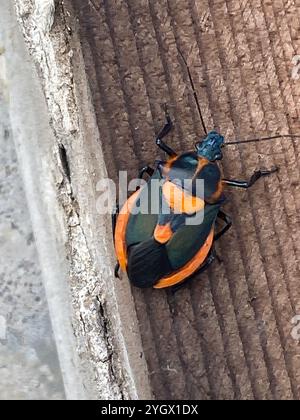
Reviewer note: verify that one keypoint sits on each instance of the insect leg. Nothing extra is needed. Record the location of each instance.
(247, 184)
(117, 271)
(163, 133)
(146, 170)
(114, 218)
(228, 223)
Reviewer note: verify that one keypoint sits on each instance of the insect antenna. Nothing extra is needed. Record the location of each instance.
(229, 143)
(258, 140)
(194, 92)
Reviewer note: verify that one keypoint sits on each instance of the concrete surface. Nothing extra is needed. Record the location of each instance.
(28, 133)
(29, 367)
(227, 334)
(57, 144)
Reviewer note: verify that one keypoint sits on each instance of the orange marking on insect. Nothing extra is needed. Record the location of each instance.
(181, 201)
(217, 194)
(190, 268)
(163, 233)
(168, 165)
(201, 163)
(120, 232)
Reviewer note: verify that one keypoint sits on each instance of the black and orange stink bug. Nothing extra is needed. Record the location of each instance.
(161, 249)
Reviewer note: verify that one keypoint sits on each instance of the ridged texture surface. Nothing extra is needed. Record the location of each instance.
(228, 334)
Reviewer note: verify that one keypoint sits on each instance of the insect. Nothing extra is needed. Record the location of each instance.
(162, 249)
